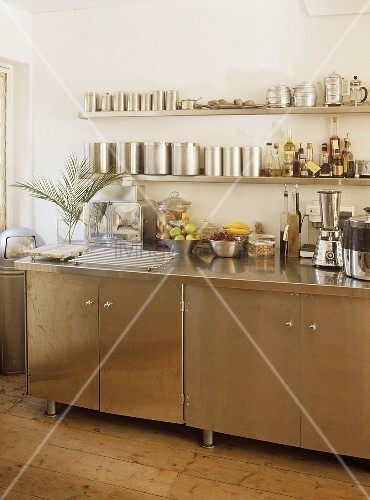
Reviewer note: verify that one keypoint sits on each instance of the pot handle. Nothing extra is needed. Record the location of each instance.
(365, 96)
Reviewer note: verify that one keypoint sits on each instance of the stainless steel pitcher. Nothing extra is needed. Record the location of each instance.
(335, 87)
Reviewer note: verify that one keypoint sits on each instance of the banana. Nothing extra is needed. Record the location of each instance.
(237, 225)
(238, 231)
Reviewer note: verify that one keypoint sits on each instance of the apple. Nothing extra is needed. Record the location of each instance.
(165, 236)
(197, 236)
(191, 229)
(190, 237)
(175, 231)
(179, 237)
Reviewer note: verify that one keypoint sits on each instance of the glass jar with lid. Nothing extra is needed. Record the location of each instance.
(173, 211)
(208, 228)
(262, 245)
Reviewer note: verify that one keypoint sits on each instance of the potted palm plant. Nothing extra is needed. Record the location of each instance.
(70, 193)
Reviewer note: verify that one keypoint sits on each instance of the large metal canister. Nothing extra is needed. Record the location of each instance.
(101, 155)
(129, 157)
(157, 158)
(185, 158)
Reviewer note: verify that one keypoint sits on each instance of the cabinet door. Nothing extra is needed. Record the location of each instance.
(242, 359)
(62, 334)
(141, 349)
(335, 383)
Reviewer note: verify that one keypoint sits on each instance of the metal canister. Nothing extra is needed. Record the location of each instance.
(156, 158)
(91, 101)
(107, 102)
(185, 158)
(252, 161)
(172, 99)
(145, 102)
(231, 161)
(119, 101)
(129, 157)
(133, 101)
(213, 160)
(101, 156)
(158, 100)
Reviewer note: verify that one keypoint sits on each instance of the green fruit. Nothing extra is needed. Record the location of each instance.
(197, 236)
(190, 237)
(191, 229)
(175, 231)
(165, 236)
(179, 237)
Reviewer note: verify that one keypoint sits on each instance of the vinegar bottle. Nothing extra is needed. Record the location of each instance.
(289, 149)
(334, 142)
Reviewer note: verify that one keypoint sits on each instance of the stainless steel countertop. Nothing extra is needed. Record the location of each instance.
(205, 269)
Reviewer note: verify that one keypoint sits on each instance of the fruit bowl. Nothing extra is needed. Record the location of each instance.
(181, 246)
(227, 248)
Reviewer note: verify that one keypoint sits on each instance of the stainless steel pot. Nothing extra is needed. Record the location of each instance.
(356, 246)
(157, 158)
(185, 158)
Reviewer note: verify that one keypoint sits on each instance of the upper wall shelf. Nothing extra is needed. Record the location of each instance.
(323, 110)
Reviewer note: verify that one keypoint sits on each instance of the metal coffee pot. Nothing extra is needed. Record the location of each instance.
(356, 89)
(335, 87)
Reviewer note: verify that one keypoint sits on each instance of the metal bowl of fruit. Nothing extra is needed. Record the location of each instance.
(225, 244)
(182, 240)
(182, 246)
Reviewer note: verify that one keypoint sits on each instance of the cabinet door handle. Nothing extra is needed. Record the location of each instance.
(89, 302)
(289, 324)
(312, 326)
(108, 304)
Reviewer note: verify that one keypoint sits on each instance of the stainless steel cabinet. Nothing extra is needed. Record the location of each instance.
(63, 344)
(242, 359)
(335, 384)
(141, 349)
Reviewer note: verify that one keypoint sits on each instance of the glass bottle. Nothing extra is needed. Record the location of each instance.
(276, 165)
(284, 225)
(268, 160)
(347, 157)
(325, 167)
(337, 165)
(334, 141)
(289, 149)
(302, 163)
(296, 165)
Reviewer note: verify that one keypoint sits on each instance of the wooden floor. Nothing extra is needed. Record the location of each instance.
(92, 455)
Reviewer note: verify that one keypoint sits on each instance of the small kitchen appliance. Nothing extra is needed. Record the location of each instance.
(356, 246)
(328, 251)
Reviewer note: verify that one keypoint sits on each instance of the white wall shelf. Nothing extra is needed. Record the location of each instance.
(137, 179)
(323, 110)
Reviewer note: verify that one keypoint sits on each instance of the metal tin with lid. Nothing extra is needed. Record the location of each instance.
(356, 246)
(213, 160)
(185, 158)
(278, 96)
(304, 95)
(157, 158)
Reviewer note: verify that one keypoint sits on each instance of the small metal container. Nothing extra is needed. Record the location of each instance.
(107, 102)
(304, 95)
(185, 158)
(157, 158)
(172, 99)
(91, 101)
(119, 101)
(278, 96)
(188, 103)
(158, 100)
(129, 157)
(101, 156)
(227, 248)
(145, 102)
(363, 168)
(231, 161)
(213, 160)
(133, 101)
(252, 161)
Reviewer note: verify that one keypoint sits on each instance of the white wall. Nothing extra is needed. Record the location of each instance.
(214, 48)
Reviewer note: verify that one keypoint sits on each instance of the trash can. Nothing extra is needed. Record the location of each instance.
(13, 244)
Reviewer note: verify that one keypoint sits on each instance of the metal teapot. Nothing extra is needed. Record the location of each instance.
(356, 89)
(335, 87)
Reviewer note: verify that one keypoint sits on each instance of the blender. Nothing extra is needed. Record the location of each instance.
(328, 251)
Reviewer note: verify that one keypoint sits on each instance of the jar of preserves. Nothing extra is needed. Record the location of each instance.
(173, 211)
(262, 244)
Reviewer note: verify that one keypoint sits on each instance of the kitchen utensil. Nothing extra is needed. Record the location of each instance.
(189, 103)
(145, 102)
(213, 160)
(304, 95)
(172, 99)
(119, 101)
(185, 158)
(251, 161)
(129, 157)
(231, 161)
(133, 101)
(158, 100)
(278, 96)
(91, 101)
(157, 158)
(227, 248)
(107, 102)
(181, 246)
(334, 89)
(356, 89)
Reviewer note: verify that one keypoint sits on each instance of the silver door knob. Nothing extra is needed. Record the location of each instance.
(289, 324)
(89, 302)
(108, 304)
(312, 326)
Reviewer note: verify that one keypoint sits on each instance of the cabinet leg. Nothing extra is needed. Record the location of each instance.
(208, 439)
(51, 408)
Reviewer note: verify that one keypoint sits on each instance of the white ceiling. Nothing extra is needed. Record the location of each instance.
(39, 6)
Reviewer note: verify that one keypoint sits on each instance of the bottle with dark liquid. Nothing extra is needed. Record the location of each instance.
(325, 167)
(337, 165)
(284, 225)
(348, 161)
(334, 142)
